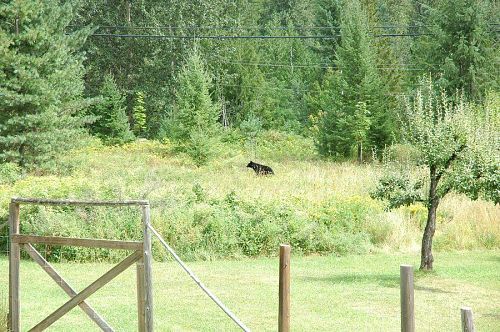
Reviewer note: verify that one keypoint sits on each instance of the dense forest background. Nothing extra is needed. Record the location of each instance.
(336, 71)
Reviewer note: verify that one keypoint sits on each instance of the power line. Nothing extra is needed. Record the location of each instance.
(208, 36)
(290, 89)
(194, 27)
(139, 36)
(317, 65)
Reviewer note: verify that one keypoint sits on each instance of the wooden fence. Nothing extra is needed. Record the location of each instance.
(141, 255)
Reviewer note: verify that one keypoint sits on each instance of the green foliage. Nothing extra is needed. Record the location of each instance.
(459, 150)
(194, 108)
(223, 210)
(9, 173)
(352, 98)
(361, 122)
(139, 115)
(398, 189)
(200, 147)
(276, 145)
(112, 124)
(460, 49)
(455, 144)
(41, 83)
(194, 120)
(234, 226)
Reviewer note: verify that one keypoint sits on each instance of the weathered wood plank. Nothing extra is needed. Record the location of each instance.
(407, 299)
(141, 297)
(467, 320)
(35, 255)
(284, 289)
(148, 260)
(91, 289)
(14, 261)
(44, 201)
(68, 241)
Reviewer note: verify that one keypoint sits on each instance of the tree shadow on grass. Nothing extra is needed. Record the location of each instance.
(380, 279)
(384, 280)
(432, 290)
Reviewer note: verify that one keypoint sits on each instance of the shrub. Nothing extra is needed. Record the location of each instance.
(9, 173)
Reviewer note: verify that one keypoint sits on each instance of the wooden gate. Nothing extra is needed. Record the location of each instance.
(141, 255)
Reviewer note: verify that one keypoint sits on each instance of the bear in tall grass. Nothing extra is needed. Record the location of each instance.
(260, 169)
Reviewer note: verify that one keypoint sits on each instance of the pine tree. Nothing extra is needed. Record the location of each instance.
(194, 108)
(194, 121)
(112, 124)
(139, 114)
(356, 81)
(41, 83)
(460, 48)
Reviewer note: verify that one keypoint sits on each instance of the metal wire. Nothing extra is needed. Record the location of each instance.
(198, 281)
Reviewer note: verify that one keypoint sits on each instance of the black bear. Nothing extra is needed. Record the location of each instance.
(260, 169)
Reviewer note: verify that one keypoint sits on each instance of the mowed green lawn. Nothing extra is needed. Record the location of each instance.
(351, 293)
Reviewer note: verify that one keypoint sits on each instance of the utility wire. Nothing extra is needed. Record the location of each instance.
(319, 66)
(242, 37)
(124, 27)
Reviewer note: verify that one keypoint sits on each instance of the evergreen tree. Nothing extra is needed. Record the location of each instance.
(139, 114)
(356, 81)
(194, 120)
(41, 82)
(194, 108)
(460, 49)
(112, 124)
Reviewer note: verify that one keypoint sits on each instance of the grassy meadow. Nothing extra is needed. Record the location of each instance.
(223, 210)
(328, 293)
(229, 223)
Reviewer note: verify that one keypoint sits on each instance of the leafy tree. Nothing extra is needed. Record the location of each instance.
(41, 83)
(112, 123)
(139, 114)
(459, 151)
(460, 48)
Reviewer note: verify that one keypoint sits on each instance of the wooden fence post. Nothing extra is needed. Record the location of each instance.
(407, 299)
(467, 321)
(284, 289)
(147, 259)
(141, 297)
(14, 261)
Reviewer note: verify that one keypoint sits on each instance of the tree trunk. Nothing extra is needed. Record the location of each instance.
(430, 227)
(360, 153)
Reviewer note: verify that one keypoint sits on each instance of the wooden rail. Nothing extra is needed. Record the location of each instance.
(77, 242)
(142, 254)
(91, 313)
(44, 201)
(91, 289)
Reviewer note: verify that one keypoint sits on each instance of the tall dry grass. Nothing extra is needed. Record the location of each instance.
(306, 193)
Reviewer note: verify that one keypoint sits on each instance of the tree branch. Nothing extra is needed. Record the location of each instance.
(452, 158)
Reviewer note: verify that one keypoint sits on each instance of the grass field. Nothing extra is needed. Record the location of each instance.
(350, 293)
(223, 210)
